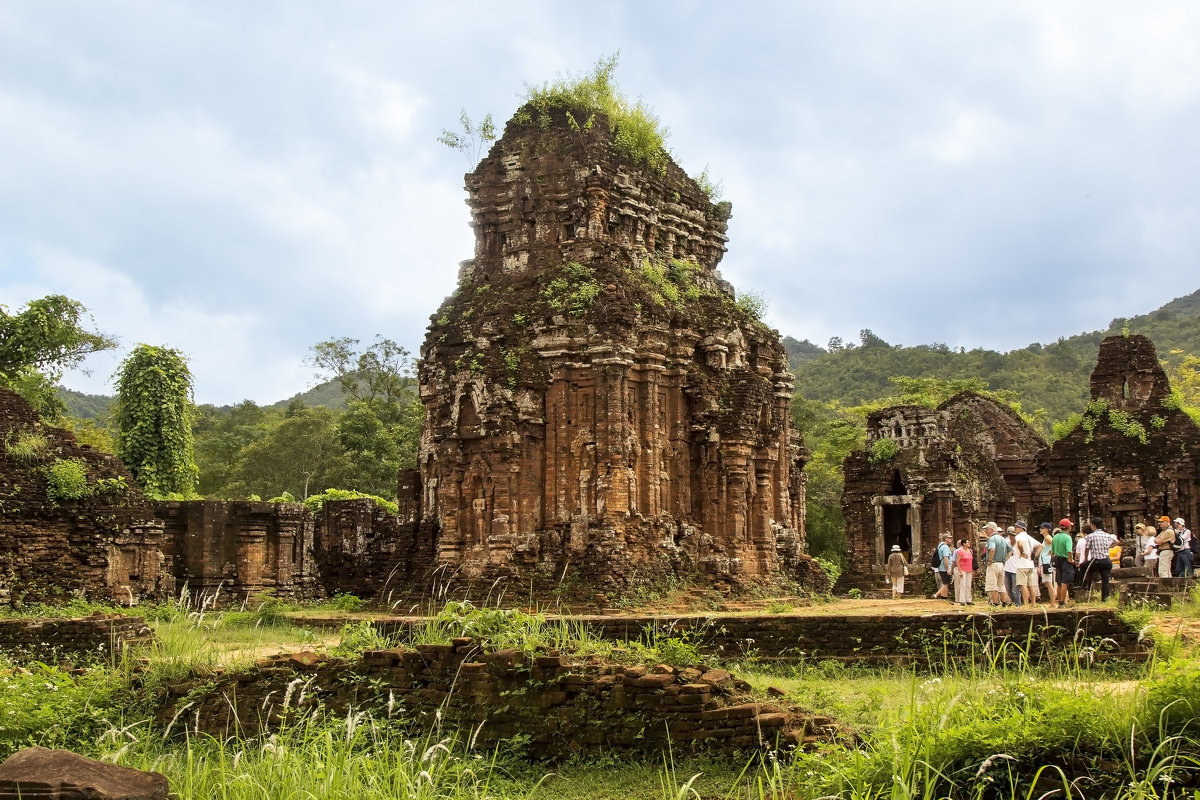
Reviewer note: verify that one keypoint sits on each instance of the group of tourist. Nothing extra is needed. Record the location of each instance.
(1019, 566)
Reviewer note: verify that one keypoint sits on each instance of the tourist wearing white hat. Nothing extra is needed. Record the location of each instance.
(897, 568)
(994, 555)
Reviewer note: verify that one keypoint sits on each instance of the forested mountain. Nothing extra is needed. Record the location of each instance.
(1049, 377)
(85, 406)
(328, 394)
(324, 395)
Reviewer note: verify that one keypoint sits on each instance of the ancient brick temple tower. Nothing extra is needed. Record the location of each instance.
(599, 406)
(1136, 453)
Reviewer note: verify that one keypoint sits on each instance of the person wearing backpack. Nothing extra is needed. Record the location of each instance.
(1185, 549)
(994, 555)
(940, 563)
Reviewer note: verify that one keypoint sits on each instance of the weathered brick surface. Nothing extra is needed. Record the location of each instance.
(620, 434)
(363, 550)
(562, 705)
(94, 637)
(107, 546)
(928, 640)
(229, 551)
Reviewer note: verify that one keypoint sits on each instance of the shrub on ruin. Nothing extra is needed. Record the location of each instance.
(317, 501)
(637, 131)
(883, 450)
(28, 446)
(753, 303)
(66, 480)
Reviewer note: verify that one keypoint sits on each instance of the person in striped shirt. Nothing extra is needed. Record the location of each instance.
(1097, 544)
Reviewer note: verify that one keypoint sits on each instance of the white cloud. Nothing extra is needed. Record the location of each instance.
(244, 181)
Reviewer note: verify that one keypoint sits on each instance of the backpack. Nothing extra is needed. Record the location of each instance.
(935, 561)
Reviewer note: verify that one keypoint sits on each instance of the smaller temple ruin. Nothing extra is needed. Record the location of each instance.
(1133, 456)
(72, 521)
(928, 471)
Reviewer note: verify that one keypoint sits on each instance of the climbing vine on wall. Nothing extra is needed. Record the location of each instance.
(153, 416)
(1120, 421)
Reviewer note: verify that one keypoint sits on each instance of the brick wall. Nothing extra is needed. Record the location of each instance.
(106, 545)
(924, 640)
(91, 637)
(563, 706)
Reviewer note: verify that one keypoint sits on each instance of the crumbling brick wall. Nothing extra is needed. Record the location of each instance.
(925, 640)
(93, 638)
(361, 549)
(560, 705)
(229, 551)
(106, 546)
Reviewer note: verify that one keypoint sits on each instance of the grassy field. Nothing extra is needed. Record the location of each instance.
(969, 731)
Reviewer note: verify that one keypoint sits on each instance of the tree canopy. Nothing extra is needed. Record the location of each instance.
(153, 417)
(41, 341)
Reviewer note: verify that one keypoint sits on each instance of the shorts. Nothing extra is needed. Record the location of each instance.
(994, 580)
(1064, 570)
(1027, 576)
(945, 576)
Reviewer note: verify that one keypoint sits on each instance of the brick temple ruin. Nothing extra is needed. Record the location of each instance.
(971, 458)
(108, 545)
(598, 405)
(1134, 455)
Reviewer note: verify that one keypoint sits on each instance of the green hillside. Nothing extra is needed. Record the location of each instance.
(85, 406)
(801, 352)
(1051, 377)
(92, 406)
(324, 395)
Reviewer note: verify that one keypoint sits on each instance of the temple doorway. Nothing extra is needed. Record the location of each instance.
(897, 530)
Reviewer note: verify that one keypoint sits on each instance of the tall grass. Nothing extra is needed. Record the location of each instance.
(997, 726)
(355, 758)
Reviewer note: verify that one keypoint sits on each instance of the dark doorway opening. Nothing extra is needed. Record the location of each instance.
(897, 531)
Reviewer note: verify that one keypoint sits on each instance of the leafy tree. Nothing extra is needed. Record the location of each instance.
(301, 454)
(378, 378)
(472, 139)
(371, 448)
(153, 417)
(222, 435)
(42, 340)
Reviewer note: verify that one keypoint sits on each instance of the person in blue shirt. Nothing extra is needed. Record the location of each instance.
(943, 571)
(994, 555)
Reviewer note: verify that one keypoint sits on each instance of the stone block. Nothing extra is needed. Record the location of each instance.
(62, 775)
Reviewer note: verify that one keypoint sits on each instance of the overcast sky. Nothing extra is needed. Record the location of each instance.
(242, 180)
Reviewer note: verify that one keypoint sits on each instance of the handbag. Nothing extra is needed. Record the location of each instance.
(906, 569)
